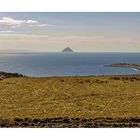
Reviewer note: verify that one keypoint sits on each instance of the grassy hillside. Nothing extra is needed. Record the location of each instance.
(71, 97)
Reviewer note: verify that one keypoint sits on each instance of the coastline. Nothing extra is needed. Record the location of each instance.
(125, 65)
(5, 75)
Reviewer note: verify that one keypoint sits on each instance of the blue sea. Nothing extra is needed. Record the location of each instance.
(64, 64)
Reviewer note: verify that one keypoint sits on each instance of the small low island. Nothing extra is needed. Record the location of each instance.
(126, 65)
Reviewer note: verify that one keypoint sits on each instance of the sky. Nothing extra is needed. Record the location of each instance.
(83, 32)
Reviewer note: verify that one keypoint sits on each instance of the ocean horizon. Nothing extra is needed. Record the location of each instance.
(40, 64)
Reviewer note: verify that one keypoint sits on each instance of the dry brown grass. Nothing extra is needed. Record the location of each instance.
(73, 97)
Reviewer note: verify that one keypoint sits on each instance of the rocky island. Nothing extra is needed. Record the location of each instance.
(67, 50)
(126, 65)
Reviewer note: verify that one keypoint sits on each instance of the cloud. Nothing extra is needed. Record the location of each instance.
(11, 21)
(16, 23)
(14, 26)
(31, 22)
(7, 31)
(40, 25)
(6, 34)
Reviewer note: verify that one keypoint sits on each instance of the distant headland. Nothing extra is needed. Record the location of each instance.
(68, 49)
(4, 75)
(134, 66)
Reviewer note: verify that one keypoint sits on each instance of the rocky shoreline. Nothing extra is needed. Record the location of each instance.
(134, 66)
